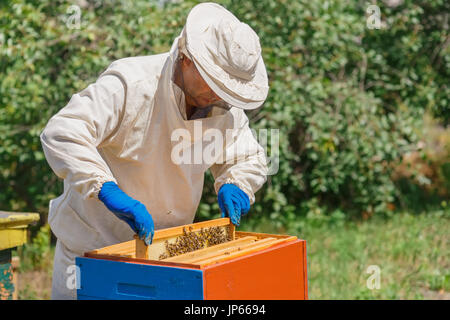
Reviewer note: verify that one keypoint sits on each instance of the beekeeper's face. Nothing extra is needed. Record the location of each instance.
(196, 90)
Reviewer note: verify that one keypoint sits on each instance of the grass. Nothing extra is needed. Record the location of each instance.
(36, 266)
(35, 285)
(411, 252)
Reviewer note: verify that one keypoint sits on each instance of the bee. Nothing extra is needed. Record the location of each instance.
(163, 256)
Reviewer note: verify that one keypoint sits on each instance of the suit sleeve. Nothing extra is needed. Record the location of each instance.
(71, 137)
(243, 163)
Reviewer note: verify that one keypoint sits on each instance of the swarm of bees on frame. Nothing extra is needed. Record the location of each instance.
(191, 241)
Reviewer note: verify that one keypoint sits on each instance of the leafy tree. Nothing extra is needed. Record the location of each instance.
(348, 100)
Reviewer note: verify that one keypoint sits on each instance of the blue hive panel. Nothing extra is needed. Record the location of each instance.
(105, 279)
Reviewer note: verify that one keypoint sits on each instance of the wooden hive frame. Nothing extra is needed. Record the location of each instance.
(241, 243)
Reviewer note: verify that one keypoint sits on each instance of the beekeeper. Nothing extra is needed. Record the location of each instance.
(113, 142)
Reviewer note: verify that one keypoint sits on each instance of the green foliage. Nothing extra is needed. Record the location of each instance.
(347, 99)
(346, 106)
(423, 178)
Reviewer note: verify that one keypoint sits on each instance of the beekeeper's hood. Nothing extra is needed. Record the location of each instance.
(227, 54)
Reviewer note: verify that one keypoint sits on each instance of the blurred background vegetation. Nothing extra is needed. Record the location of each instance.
(363, 116)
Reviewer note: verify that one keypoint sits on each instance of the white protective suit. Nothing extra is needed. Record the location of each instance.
(119, 129)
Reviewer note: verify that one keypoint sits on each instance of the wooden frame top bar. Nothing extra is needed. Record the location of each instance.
(242, 243)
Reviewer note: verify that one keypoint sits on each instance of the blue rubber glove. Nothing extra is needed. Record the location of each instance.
(233, 202)
(129, 210)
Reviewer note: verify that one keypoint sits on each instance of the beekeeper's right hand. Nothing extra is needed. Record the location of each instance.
(129, 210)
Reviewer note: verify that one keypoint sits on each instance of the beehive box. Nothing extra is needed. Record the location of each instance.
(246, 265)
